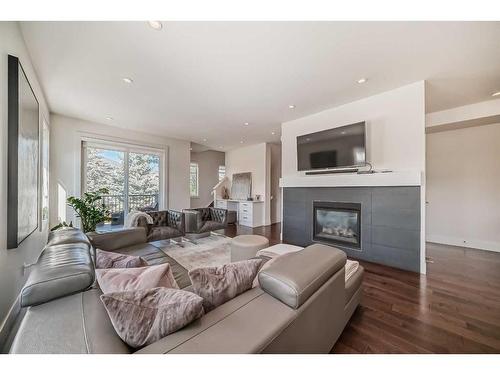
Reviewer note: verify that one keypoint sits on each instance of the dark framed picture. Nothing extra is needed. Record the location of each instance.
(23, 156)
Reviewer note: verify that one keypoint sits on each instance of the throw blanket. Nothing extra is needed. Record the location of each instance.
(133, 217)
(351, 267)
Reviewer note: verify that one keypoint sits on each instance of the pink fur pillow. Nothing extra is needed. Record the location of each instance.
(108, 259)
(217, 285)
(113, 280)
(142, 317)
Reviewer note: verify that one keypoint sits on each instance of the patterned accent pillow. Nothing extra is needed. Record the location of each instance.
(108, 259)
(112, 280)
(142, 317)
(217, 285)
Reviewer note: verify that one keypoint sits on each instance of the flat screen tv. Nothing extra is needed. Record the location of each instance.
(342, 147)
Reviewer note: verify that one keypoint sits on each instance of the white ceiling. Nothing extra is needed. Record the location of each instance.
(203, 80)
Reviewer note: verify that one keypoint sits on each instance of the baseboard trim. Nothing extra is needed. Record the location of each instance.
(471, 244)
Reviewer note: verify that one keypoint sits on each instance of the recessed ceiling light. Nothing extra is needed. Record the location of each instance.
(342, 132)
(220, 146)
(291, 106)
(190, 149)
(241, 141)
(155, 25)
(246, 123)
(109, 118)
(204, 139)
(496, 93)
(273, 133)
(127, 80)
(362, 80)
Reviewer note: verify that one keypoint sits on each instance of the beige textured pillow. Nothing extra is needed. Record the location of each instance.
(108, 259)
(113, 280)
(217, 285)
(141, 317)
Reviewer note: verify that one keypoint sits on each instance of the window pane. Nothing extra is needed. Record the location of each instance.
(106, 169)
(222, 172)
(193, 180)
(144, 181)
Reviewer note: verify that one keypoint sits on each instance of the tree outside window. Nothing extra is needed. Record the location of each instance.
(193, 180)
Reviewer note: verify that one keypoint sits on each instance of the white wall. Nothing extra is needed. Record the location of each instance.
(208, 175)
(395, 129)
(275, 181)
(254, 159)
(65, 159)
(12, 277)
(463, 187)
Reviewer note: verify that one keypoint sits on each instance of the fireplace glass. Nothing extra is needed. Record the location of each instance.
(337, 223)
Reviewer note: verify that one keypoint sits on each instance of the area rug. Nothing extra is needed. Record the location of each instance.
(204, 252)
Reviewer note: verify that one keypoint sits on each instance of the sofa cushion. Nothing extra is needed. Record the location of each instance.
(210, 225)
(68, 235)
(217, 285)
(123, 279)
(59, 271)
(142, 317)
(75, 324)
(295, 277)
(160, 233)
(108, 259)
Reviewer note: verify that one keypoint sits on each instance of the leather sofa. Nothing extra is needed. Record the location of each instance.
(166, 224)
(302, 305)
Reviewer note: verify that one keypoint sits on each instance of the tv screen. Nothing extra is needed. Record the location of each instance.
(333, 148)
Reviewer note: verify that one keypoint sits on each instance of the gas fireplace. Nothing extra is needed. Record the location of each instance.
(337, 223)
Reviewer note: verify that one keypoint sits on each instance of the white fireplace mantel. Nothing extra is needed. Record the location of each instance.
(401, 178)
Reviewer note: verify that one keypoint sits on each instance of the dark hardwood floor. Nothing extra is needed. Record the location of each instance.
(455, 308)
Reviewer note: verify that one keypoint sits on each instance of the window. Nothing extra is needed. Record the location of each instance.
(193, 179)
(132, 176)
(222, 172)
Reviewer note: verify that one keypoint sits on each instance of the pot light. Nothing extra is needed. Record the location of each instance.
(273, 133)
(362, 80)
(291, 106)
(109, 118)
(246, 123)
(242, 142)
(220, 146)
(496, 93)
(204, 139)
(127, 80)
(155, 25)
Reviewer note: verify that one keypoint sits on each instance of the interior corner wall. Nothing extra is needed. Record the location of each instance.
(208, 175)
(65, 159)
(12, 275)
(252, 159)
(463, 187)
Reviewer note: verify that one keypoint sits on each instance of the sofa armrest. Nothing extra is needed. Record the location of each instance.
(111, 241)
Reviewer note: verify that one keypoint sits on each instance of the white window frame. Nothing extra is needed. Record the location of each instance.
(126, 148)
(191, 164)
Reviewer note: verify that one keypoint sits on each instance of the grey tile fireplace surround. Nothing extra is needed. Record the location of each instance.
(390, 221)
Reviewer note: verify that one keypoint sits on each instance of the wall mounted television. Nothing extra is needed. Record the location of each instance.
(341, 147)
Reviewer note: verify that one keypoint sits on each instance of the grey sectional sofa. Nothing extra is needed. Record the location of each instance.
(301, 306)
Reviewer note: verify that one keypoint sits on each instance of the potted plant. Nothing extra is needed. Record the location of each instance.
(90, 209)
